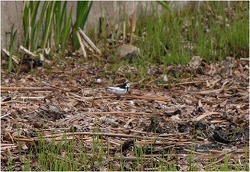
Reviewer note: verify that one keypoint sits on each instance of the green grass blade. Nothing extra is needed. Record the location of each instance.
(48, 21)
(26, 23)
(66, 31)
(38, 25)
(83, 9)
(34, 12)
(165, 5)
(11, 48)
(58, 16)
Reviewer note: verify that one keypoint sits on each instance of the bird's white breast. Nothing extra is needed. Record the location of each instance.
(117, 90)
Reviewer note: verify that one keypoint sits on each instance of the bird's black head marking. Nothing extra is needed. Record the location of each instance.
(124, 86)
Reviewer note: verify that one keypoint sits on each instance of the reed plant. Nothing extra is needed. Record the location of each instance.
(82, 12)
(33, 23)
(11, 48)
(62, 24)
(49, 24)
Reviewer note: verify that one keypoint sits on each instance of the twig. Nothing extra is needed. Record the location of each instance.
(54, 129)
(244, 59)
(85, 37)
(2, 116)
(185, 83)
(221, 157)
(194, 152)
(158, 98)
(120, 112)
(27, 89)
(7, 146)
(131, 158)
(56, 88)
(205, 115)
(130, 130)
(115, 142)
(170, 135)
(208, 91)
(132, 21)
(11, 101)
(86, 43)
(81, 44)
(27, 51)
(10, 136)
(32, 98)
(212, 91)
(148, 156)
(124, 32)
(79, 133)
(15, 59)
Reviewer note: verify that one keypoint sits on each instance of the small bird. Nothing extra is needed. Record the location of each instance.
(119, 89)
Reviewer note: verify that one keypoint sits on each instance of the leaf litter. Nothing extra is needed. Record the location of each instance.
(204, 112)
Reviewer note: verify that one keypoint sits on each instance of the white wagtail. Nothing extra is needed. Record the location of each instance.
(119, 89)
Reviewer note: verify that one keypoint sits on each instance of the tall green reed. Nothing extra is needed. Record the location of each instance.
(82, 12)
(11, 48)
(62, 24)
(48, 24)
(33, 23)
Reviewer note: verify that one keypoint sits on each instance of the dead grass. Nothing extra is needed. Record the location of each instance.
(193, 123)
